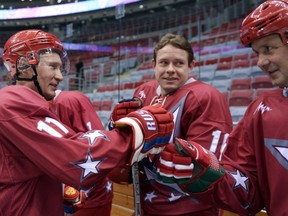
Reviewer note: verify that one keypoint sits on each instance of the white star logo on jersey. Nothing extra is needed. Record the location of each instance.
(279, 149)
(240, 180)
(142, 94)
(283, 151)
(109, 186)
(89, 166)
(173, 197)
(150, 196)
(87, 192)
(93, 135)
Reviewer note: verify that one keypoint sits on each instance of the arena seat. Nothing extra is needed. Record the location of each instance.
(97, 105)
(241, 97)
(223, 85)
(237, 112)
(206, 76)
(241, 83)
(256, 71)
(261, 82)
(106, 105)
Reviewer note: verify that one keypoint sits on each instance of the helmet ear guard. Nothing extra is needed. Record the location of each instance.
(22, 64)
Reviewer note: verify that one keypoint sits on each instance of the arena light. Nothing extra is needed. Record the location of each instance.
(58, 10)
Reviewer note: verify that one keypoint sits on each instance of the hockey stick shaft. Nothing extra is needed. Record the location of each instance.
(136, 187)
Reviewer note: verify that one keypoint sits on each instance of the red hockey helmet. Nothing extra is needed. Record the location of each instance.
(27, 46)
(268, 18)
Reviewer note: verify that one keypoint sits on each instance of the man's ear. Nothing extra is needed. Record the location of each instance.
(153, 63)
(192, 64)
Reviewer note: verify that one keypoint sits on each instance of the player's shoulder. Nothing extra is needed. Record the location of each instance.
(21, 100)
(147, 87)
(269, 98)
(201, 89)
(274, 92)
(74, 93)
(71, 96)
(19, 93)
(149, 84)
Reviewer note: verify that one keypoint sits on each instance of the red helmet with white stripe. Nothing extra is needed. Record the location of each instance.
(268, 18)
(26, 46)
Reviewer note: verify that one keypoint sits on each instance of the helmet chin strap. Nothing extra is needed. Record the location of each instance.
(34, 79)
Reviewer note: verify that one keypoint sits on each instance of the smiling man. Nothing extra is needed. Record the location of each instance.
(200, 114)
(38, 64)
(253, 172)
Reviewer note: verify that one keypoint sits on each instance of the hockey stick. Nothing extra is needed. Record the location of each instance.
(136, 187)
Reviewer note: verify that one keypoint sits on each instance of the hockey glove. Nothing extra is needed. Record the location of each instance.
(73, 199)
(152, 128)
(123, 108)
(191, 166)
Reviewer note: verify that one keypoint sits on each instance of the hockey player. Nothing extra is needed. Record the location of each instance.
(76, 111)
(38, 152)
(254, 169)
(201, 114)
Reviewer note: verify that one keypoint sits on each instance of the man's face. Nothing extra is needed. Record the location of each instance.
(272, 58)
(171, 68)
(49, 74)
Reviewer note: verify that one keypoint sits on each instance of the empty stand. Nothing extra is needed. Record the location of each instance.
(223, 74)
(206, 76)
(97, 96)
(129, 85)
(127, 93)
(108, 95)
(261, 82)
(241, 57)
(147, 77)
(237, 113)
(256, 71)
(241, 97)
(241, 64)
(241, 72)
(222, 85)
(104, 116)
(106, 105)
(103, 105)
(101, 89)
(97, 105)
(226, 59)
(209, 67)
(211, 61)
(241, 83)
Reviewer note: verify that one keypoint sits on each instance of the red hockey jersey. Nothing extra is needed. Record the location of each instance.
(76, 111)
(256, 160)
(201, 114)
(38, 153)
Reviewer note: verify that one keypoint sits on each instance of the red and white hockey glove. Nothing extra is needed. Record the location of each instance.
(189, 165)
(122, 109)
(152, 129)
(73, 199)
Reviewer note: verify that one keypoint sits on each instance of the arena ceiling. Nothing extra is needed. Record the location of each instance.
(147, 6)
(10, 4)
